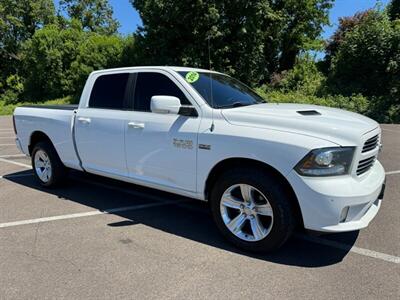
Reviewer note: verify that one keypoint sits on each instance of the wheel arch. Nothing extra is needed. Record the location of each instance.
(229, 163)
(36, 137)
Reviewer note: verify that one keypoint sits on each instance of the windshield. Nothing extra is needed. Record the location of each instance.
(227, 92)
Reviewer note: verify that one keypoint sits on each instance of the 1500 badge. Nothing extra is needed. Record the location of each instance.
(183, 144)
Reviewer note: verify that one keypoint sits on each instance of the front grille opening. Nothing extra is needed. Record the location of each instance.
(370, 144)
(365, 164)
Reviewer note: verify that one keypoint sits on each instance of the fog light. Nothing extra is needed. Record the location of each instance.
(343, 215)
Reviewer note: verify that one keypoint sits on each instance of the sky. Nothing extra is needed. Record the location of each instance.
(130, 19)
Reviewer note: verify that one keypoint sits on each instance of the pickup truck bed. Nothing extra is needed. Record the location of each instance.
(57, 121)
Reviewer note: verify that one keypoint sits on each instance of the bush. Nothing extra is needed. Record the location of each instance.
(47, 57)
(304, 78)
(355, 103)
(58, 60)
(13, 89)
(368, 58)
(368, 62)
(384, 109)
(8, 109)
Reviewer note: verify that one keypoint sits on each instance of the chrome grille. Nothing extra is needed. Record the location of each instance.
(371, 144)
(365, 164)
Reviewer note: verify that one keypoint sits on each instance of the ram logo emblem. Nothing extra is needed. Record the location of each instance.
(183, 144)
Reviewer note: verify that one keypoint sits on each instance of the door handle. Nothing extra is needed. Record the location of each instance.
(135, 125)
(84, 120)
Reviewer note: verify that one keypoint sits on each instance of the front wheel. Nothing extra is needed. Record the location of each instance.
(252, 209)
(47, 166)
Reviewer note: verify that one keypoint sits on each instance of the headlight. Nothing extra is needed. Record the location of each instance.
(326, 162)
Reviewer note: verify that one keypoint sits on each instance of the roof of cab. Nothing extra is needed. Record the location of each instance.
(173, 68)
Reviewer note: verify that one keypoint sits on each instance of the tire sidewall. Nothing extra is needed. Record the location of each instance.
(276, 196)
(45, 148)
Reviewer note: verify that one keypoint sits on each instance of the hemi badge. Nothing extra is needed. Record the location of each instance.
(204, 147)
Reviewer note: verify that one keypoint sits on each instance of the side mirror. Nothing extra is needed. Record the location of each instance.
(165, 105)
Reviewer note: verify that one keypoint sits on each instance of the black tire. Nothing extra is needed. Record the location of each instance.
(59, 171)
(278, 197)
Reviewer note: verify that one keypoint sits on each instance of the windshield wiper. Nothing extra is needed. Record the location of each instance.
(234, 104)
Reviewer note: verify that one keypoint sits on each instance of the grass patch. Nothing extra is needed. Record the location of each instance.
(8, 109)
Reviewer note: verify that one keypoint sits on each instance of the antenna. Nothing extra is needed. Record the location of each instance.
(211, 86)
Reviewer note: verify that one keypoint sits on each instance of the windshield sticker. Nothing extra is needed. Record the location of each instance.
(192, 76)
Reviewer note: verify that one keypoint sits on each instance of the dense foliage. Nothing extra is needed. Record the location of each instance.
(248, 39)
(394, 10)
(368, 62)
(94, 15)
(47, 54)
(62, 69)
(19, 19)
(360, 72)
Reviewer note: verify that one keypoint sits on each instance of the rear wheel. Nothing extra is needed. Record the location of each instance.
(252, 209)
(47, 166)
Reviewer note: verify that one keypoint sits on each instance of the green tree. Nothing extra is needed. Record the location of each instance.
(301, 26)
(19, 20)
(247, 38)
(48, 56)
(368, 62)
(362, 59)
(95, 15)
(13, 87)
(346, 24)
(394, 9)
(96, 52)
(58, 60)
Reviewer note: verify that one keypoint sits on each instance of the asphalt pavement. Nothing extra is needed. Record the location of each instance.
(98, 238)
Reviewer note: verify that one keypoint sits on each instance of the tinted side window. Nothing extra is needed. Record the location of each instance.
(227, 92)
(109, 91)
(155, 84)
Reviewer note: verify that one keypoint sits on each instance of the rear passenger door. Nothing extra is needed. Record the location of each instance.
(100, 127)
(162, 148)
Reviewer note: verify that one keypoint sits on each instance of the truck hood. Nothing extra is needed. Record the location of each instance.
(335, 125)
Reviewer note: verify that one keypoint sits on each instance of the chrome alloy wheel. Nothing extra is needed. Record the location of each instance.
(43, 166)
(246, 212)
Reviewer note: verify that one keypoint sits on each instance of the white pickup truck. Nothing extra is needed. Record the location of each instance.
(264, 168)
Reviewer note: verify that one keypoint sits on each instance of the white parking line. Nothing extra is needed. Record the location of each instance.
(12, 155)
(324, 242)
(15, 163)
(84, 214)
(329, 243)
(7, 145)
(354, 249)
(15, 175)
(7, 137)
(393, 172)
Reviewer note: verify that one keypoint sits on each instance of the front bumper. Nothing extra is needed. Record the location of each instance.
(339, 204)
